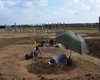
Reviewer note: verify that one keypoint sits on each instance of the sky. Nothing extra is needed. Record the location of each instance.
(49, 11)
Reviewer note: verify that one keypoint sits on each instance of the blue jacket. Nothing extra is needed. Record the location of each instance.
(60, 58)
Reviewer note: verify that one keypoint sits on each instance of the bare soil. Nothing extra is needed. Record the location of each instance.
(94, 47)
(13, 65)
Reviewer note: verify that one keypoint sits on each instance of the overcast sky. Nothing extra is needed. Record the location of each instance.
(49, 11)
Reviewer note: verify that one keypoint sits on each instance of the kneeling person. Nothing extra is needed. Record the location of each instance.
(36, 52)
(59, 59)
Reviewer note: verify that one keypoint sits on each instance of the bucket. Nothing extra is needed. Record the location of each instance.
(34, 42)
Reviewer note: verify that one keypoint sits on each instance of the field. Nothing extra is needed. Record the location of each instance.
(80, 30)
(13, 66)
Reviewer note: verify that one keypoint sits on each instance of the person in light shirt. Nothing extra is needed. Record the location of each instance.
(36, 52)
(60, 59)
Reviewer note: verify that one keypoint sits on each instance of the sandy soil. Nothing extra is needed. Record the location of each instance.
(13, 66)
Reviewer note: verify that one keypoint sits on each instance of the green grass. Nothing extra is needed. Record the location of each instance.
(84, 30)
(2, 30)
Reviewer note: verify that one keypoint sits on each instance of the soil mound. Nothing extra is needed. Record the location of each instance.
(86, 77)
(94, 47)
(44, 68)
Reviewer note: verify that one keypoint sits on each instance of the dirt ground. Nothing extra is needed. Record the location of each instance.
(13, 65)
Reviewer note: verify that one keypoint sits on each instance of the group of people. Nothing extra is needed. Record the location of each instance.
(56, 59)
(46, 43)
(49, 43)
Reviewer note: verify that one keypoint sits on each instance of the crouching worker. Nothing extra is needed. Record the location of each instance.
(36, 52)
(60, 59)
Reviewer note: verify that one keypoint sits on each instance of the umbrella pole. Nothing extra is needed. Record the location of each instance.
(69, 62)
(70, 53)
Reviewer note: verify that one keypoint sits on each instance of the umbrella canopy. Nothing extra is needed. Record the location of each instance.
(73, 41)
(59, 33)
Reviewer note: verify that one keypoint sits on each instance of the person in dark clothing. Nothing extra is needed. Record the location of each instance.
(51, 42)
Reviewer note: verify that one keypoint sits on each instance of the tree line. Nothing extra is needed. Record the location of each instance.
(58, 25)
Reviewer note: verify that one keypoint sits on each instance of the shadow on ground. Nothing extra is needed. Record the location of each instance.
(44, 68)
